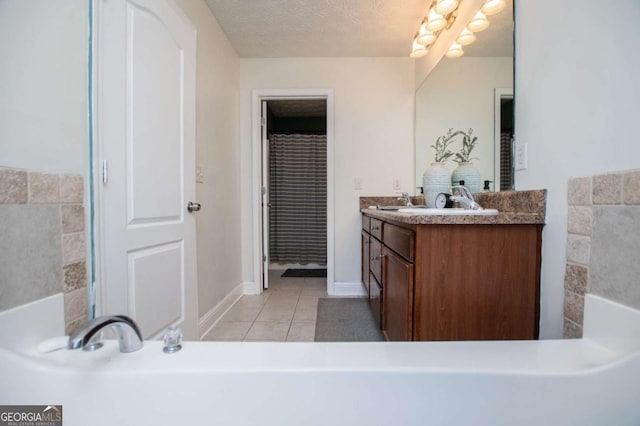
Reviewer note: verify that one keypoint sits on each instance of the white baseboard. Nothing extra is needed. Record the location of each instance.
(348, 289)
(208, 320)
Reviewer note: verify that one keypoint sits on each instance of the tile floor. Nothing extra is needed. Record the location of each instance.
(286, 312)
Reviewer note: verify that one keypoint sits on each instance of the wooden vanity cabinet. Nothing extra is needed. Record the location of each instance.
(398, 296)
(454, 282)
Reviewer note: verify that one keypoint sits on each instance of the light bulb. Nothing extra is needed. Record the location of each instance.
(455, 51)
(435, 21)
(418, 50)
(425, 36)
(478, 23)
(446, 6)
(491, 7)
(466, 37)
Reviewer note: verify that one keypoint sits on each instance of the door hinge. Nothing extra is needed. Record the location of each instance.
(264, 190)
(264, 258)
(105, 171)
(263, 121)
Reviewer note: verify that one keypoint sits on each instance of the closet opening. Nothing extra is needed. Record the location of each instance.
(294, 178)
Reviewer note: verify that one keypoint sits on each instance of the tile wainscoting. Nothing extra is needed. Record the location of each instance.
(603, 243)
(43, 247)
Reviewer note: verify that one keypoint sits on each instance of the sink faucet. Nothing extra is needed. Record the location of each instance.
(462, 195)
(406, 199)
(126, 330)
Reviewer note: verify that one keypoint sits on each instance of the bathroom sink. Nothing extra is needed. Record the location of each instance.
(448, 212)
(390, 208)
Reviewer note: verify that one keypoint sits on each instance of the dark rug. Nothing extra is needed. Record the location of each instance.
(305, 273)
(346, 320)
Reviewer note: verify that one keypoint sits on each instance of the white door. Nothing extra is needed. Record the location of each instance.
(145, 128)
(266, 204)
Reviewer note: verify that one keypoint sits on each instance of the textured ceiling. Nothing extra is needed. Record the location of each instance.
(319, 28)
(331, 28)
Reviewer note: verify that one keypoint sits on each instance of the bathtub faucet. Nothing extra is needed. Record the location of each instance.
(126, 330)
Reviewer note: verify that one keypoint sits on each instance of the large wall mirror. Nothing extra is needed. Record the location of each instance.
(474, 91)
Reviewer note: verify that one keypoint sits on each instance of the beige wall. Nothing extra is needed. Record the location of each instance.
(43, 85)
(577, 102)
(373, 105)
(217, 151)
(43, 153)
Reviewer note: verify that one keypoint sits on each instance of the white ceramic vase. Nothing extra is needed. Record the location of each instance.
(469, 174)
(436, 179)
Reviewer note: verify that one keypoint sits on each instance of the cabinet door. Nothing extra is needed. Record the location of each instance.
(365, 262)
(398, 296)
(375, 259)
(375, 301)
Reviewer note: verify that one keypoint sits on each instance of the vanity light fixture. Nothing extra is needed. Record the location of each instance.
(455, 51)
(466, 37)
(492, 7)
(433, 24)
(478, 23)
(444, 7)
(426, 37)
(418, 50)
(435, 21)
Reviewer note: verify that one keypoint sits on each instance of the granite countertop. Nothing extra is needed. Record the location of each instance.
(514, 207)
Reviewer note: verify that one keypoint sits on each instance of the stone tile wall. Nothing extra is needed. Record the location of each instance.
(42, 244)
(603, 243)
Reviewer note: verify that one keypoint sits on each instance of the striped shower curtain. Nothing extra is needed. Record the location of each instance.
(298, 197)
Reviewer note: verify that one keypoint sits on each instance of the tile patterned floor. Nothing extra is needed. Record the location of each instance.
(284, 312)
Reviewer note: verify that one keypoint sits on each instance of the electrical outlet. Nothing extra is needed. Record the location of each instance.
(396, 184)
(357, 184)
(521, 156)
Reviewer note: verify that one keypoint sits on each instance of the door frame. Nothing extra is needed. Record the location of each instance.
(257, 96)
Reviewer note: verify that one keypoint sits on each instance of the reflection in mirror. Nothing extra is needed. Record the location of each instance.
(474, 91)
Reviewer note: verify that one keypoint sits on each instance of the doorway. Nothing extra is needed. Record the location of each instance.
(503, 140)
(144, 164)
(296, 186)
(293, 223)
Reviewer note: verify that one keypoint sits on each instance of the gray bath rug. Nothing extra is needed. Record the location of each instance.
(305, 273)
(346, 320)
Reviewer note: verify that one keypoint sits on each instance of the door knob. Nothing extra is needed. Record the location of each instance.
(193, 207)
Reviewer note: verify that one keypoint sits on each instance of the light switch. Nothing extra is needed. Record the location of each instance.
(199, 174)
(396, 184)
(521, 156)
(357, 183)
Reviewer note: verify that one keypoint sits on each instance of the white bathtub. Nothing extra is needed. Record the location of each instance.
(589, 381)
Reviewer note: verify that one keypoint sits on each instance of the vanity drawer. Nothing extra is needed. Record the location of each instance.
(376, 228)
(366, 223)
(400, 240)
